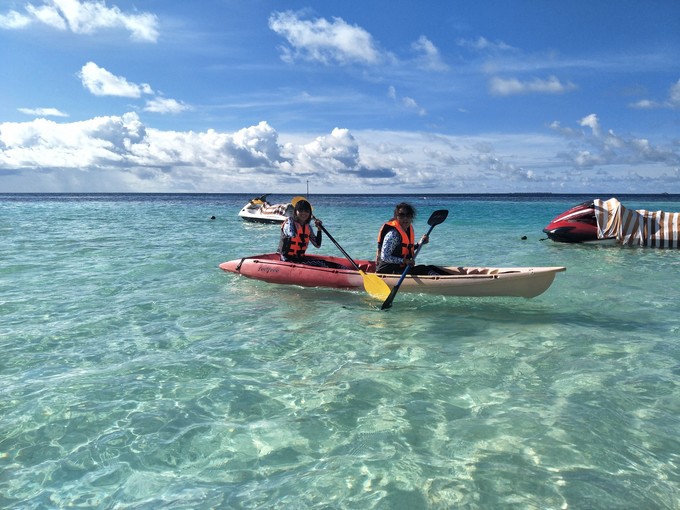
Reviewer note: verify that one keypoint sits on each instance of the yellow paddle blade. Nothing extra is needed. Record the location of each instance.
(375, 286)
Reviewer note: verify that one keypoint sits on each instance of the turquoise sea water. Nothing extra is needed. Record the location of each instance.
(135, 374)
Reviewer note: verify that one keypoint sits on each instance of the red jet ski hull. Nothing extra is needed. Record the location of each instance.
(576, 225)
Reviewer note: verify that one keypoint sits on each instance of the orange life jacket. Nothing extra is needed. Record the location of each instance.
(295, 246)
(405, 249)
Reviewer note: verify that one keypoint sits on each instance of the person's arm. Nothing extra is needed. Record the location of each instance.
(315, 239)
(288, 229)
(287, 233)
(392, 239)
(423, 240)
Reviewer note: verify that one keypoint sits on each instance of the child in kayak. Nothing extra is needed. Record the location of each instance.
(296, 234)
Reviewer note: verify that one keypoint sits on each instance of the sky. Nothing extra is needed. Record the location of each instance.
(377, 96)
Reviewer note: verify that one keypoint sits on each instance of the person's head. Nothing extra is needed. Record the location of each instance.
(303, 210)
(404, 213)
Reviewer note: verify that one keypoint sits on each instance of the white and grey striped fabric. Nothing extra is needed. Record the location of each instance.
(657, 229)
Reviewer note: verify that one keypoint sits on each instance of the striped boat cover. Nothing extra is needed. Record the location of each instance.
(275, 208)
(637, 228)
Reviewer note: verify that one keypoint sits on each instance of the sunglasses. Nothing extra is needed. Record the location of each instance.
(402, 214)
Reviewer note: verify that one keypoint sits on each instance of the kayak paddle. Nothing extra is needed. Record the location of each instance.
(435, 219)
(373, 284)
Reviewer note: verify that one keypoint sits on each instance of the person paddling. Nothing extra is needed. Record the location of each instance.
(296, 234)
(396, 244)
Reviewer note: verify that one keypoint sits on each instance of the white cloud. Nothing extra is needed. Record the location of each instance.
(13, 20)
(330, 154)
(483, 44)
(411, 103)
(592, 122)
(83, 17)
(108, 142)
(672, 101)
(674, 95)
(599, 148)
(44, 143)
(101, 82)
(165, 105)
(430, 57)
(123, 146)
(407, 102)
(44, 155)
(324, 41)
(48, 15)
(564, 131)
(43, 112)
(512, 86)
(645, 104)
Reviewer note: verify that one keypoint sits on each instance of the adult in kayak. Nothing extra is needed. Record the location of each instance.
(296, 234)
(396, 244)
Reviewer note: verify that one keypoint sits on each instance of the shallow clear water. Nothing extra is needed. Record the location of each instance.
(136, 374)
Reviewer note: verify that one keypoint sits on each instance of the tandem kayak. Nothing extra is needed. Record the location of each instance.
(524, 282)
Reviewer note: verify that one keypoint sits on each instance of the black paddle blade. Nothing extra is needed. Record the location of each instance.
(438, 217)
(388, 302)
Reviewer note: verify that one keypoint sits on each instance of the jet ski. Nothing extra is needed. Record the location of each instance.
(261, 211)
(575, 225)
(610, 222)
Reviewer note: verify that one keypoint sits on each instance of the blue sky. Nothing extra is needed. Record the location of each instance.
(264, 96)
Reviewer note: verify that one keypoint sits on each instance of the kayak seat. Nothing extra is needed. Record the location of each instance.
(334, 265)
(340, 266)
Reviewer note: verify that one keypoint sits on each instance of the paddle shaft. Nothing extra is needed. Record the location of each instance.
(374, 285)
(323, 229)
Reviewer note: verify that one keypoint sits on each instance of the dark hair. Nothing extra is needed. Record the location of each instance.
(406, 207)
(303, 205)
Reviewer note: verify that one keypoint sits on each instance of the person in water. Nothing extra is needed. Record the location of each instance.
(396, 244)
(296, 234)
